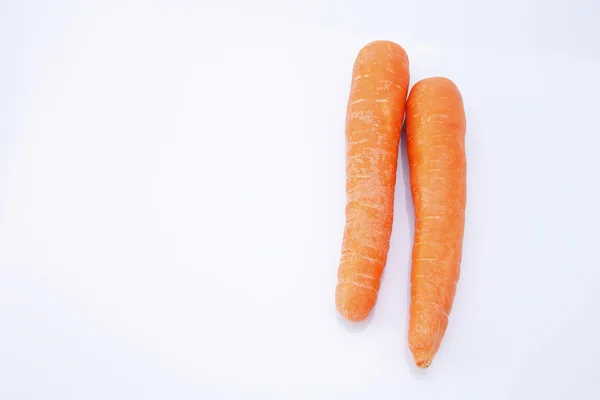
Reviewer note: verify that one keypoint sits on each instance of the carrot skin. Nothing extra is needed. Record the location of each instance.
(380, 80)
(435, 134)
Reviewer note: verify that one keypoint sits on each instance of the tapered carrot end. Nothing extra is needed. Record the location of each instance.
(353, 302)
(423, 358)
(422, 349)
(423, 341)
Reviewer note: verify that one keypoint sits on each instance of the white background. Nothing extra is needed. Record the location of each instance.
(172, 196)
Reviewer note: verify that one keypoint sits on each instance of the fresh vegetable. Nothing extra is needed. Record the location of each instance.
(380, 81)
(435, 139)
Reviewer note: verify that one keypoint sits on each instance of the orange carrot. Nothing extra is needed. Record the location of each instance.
(373, 120)
(435, 140)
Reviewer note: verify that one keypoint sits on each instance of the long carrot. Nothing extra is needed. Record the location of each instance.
(435, 140)
(380, 80)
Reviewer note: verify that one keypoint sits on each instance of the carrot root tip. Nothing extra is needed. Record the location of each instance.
(353, 302)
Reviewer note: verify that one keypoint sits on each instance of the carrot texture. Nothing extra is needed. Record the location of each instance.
(380, 80)
(435, 140)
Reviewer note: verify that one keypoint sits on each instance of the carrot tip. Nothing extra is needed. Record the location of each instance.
(424, 364)
(352, 316)
(354, 303)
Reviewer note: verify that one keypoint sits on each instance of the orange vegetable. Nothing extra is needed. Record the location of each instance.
(374, 116)
(435, 140)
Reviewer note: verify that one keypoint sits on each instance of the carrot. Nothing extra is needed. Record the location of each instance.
(435, 140)
(374, 116)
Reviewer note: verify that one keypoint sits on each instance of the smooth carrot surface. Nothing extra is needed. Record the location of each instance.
(435, 140)
(380, 81)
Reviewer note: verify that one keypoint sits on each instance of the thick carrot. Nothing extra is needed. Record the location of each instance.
(380, 80)
(435, 140)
